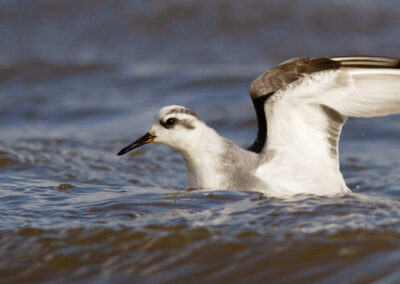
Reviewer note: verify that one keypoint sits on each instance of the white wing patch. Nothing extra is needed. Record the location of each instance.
(304, 121)
(370, 92)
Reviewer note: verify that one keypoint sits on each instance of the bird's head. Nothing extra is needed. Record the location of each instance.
(175, 126)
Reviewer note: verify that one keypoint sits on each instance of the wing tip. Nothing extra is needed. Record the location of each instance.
(367, 61)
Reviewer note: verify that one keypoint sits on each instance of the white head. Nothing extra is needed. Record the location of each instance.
(175, 126)
(202, 148)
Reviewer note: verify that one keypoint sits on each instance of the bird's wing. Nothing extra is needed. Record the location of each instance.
(307, 100)
(298, 70)
(278, 78)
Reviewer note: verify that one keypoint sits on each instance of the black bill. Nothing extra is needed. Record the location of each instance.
(147, 138)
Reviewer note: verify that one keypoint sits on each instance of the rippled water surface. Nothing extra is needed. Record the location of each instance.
(81, 79)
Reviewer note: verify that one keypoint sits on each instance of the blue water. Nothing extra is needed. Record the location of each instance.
(81, 79)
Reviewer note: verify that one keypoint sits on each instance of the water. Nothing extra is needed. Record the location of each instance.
(81, 79)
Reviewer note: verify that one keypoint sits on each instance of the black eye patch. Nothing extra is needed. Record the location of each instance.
(170, 122)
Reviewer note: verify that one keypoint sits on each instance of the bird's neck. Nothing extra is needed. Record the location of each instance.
(214, 162)
(202, 158)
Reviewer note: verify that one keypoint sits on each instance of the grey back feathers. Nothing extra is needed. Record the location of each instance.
(232, 163)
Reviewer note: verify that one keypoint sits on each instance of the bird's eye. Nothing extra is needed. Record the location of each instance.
(170, 121)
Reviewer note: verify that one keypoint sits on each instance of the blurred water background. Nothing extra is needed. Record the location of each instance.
(79, 79)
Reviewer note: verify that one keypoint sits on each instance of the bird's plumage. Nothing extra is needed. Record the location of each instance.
(297, 71)
(301, 106)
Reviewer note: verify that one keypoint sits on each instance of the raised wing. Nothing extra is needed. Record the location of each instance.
(282, 76)
(276, 79)
(306, 102)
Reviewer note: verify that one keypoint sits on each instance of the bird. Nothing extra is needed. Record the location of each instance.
(301, 106)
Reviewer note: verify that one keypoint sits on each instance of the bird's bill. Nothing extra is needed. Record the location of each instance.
(147, 138)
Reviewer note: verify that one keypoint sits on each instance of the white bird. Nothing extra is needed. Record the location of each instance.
(301, 106)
